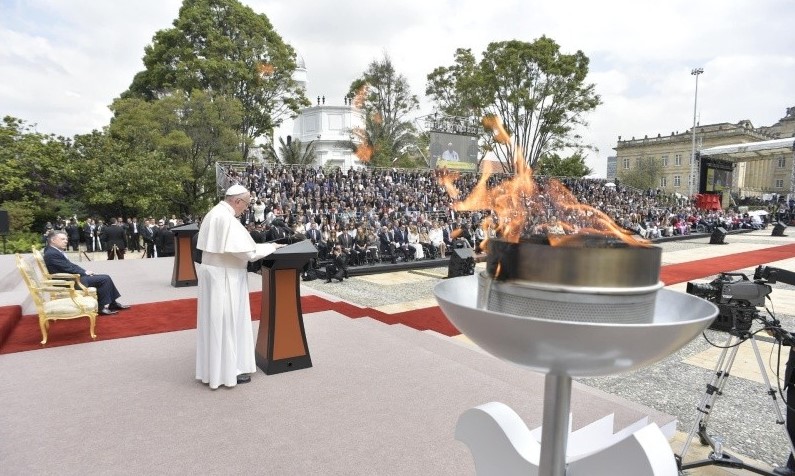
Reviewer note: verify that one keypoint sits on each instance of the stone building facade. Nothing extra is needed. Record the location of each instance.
(673, 152)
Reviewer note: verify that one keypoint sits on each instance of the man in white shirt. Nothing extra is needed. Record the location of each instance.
(225, 341)
(449, 154)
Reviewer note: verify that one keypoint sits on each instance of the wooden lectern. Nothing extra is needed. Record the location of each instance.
(184, 269)
(281, 339)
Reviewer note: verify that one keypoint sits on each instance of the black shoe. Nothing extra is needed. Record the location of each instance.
(106, 312)
(243, 378)
(328, 281)
(117, 306)
(340, 279)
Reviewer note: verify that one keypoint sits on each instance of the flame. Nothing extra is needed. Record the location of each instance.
(521, 204)
(359, 97)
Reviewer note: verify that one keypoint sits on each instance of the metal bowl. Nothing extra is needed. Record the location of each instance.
(576, 349)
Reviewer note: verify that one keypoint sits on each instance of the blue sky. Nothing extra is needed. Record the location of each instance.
(64, 61)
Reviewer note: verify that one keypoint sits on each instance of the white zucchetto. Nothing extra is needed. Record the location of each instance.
(236, 189)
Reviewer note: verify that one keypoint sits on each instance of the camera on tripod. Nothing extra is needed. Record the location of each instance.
(736, 297)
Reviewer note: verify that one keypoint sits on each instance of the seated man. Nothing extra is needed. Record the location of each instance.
(57, 262)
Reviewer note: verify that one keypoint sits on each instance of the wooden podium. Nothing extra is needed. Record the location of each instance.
(281, 339)
(184, 269)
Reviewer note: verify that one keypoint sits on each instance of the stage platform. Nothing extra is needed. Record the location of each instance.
(379, 399)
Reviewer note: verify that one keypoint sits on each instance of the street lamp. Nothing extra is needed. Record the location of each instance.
(695, 72)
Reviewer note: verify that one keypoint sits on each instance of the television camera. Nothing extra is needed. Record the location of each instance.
(738, 297)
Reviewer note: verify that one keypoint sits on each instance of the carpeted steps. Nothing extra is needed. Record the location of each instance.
(588, 404)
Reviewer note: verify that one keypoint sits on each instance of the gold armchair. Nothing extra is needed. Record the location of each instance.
(55, 299)
(47, 277)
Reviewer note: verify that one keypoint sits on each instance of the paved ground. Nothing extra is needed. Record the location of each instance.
(744, 416)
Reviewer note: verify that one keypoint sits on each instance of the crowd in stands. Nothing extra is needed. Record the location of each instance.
(390, 215)
(399, 214)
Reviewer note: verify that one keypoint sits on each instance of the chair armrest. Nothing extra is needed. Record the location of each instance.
(59, 284)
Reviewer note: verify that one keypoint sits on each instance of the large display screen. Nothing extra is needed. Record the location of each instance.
(716, 175)
(454, 151)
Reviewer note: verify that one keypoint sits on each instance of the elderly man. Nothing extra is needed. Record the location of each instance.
(225, 342)
(57, 262)
(450, 154)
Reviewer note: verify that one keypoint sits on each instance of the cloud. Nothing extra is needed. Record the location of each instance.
(65, 60)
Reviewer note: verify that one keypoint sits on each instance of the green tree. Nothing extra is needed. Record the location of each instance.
(294, 152)
(168, 148)
(224, 48)
(34, 175)
(388, 103)
(540, 95)
(553, 165)
(644, 175)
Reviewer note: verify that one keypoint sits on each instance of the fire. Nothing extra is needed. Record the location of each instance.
(364, 151)
(522, 205)
(359, 97)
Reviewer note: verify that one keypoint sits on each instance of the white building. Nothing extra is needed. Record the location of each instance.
(329, 127)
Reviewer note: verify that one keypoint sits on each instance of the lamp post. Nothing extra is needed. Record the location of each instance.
(695, 72)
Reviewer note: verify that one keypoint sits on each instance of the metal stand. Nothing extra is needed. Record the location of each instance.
(714, 389)
(555, 425)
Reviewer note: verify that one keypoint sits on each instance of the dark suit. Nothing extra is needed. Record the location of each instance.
(148, 234)
(57, 262)
(114, 235)
(165, 242)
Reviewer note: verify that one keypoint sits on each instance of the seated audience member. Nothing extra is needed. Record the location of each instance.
(57, 262)
(436, 235)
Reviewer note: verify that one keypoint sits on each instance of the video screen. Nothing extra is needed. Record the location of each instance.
(716, 175)
(453, 151)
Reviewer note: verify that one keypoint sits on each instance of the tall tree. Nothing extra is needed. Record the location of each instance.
(225, 48)
(540, 95)
(553, 165)
(179, 137)
(388, 103)
(645, 175)
(34, 174)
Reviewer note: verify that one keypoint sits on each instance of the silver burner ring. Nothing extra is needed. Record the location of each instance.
(620, 305)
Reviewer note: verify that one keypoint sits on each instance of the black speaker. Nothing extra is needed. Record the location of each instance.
(4, 228)
(718, 236)
(462, 263)
(778, 229)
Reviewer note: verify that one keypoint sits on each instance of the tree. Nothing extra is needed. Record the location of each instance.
(386, 98)
(552, 165)
(168, 149)
(538, 93)
(645, 175)
(293, 152)
(34, 174)
(225, 49)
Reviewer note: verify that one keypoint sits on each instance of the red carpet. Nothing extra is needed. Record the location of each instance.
(155, 318)
(679, 273)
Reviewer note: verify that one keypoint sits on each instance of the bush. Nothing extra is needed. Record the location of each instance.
(20, 242)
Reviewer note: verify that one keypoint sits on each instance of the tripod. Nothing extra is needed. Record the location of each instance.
(714, 389)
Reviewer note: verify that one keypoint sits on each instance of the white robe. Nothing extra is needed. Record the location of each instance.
(225, 341)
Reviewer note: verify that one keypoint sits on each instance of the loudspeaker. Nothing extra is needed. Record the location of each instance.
(4, 228)
(462, 263)
(778, 229)
(718, 236)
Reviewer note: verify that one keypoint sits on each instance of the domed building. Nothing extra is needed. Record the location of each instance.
(328, 126)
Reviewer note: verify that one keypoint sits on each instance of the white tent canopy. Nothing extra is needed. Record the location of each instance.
(751, 150)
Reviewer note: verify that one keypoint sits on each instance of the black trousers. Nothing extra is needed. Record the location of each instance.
(106, 290)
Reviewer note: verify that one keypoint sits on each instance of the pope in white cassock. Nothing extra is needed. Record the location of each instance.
(225, 341)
